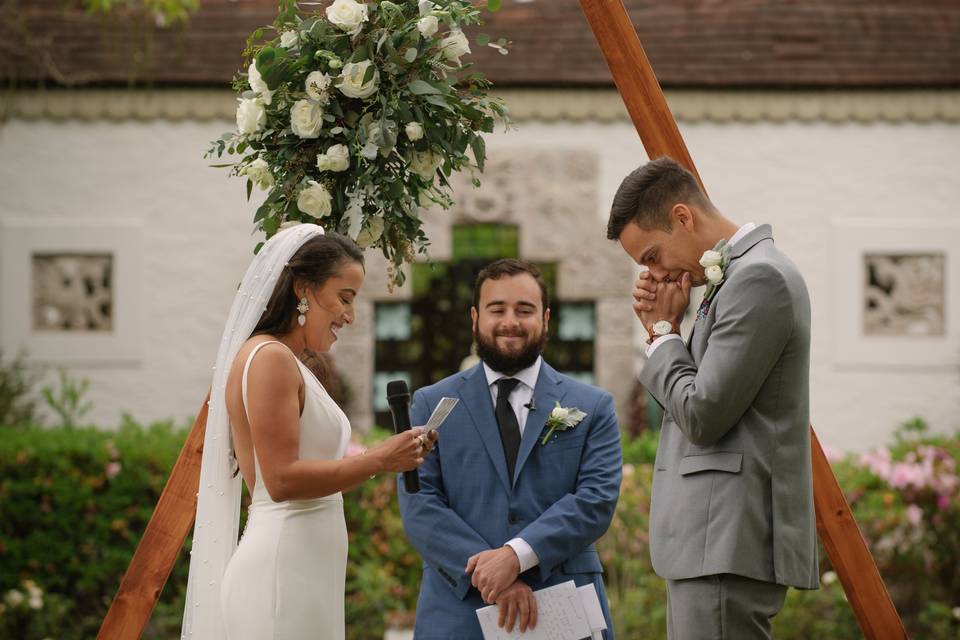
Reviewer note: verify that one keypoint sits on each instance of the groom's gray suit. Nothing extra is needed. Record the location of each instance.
(732, 491)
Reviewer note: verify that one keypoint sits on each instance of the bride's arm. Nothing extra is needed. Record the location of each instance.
(273, 384)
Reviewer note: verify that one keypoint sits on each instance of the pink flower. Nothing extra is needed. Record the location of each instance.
(354, 449)
(112, 469)
(914, 514)
(943, 502)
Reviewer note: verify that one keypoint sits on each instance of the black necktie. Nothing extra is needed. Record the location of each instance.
(507, 419)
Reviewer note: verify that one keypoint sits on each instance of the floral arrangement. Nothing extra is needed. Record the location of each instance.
(354, 117)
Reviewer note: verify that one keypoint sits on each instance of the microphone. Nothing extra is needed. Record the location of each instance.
(531, 406)
(398, 397)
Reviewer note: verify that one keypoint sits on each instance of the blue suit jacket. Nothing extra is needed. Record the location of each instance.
(560, 501)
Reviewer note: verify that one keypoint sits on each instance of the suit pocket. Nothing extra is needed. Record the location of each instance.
(729, 462)
(586, 562)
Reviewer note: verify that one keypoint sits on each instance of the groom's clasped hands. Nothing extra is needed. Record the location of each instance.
(495, 574)
(664, 299)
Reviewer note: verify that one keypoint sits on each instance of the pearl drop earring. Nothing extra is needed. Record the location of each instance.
(303, 307)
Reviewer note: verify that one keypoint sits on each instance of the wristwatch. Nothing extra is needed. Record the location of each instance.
(661, 328)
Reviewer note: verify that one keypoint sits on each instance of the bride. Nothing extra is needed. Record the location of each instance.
(269, 416)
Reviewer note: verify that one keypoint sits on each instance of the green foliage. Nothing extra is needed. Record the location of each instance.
(18, 405)
(67, 399)
(73, 504)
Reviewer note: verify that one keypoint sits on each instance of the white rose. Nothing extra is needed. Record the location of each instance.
(428, 25)
(336, 158)
(257, 83)
(306, 118)
(289, 39)
(454, 46)
(251, 116)
(14, 598)
(425, 7)
(259, 172)
(414, 131)
(559, 413)
(425, 163)
(714, 274)
(349, 15)
(711, 258)
(315, 200)
(335, 63)
(317, 84)
(351, 80)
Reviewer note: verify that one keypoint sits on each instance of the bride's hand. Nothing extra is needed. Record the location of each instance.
(402, 452)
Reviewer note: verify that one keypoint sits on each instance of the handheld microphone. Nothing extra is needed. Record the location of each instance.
(398, 397)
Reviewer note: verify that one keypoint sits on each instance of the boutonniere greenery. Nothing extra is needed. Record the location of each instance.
(714, 263)
(561, 419)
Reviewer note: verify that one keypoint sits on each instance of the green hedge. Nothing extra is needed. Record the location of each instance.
(74, 501)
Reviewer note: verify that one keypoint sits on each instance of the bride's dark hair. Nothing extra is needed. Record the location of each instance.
(319, 259)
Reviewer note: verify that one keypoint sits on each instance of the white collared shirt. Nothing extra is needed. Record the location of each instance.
(741, 232)
(519, 399)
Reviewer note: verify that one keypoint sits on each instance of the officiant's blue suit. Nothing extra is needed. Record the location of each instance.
(560, 501)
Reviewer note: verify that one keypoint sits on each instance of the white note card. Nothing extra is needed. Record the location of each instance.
(440, 413)
(564, 612)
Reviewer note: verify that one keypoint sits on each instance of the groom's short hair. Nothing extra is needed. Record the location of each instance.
(647, 195)
(509, 267)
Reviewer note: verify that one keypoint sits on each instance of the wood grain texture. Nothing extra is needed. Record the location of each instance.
(161, 542)
(658, 130)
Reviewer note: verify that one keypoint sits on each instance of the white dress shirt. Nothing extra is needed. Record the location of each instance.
(741, 232)
(519, 399)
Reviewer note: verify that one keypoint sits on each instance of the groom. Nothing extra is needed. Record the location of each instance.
(731, 517)
(500, 513)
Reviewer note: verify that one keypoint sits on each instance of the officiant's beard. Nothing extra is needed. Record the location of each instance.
(506, 362)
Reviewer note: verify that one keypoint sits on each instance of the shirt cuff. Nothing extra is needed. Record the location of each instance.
(659, 341)
(525, 553)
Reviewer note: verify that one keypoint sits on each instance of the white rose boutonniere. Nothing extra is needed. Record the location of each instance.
(251, 116)
(351, 83)
(561, 419)
(714, 263)
(348, 15)
(306, 118)
(315, 200)
(454, 46)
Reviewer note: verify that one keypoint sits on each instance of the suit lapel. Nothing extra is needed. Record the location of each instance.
(475, 395)
(546, 394)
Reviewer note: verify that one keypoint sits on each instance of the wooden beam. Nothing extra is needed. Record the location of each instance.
(658, 130)
(161, 542)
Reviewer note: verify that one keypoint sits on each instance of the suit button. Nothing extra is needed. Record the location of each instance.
(513, 519)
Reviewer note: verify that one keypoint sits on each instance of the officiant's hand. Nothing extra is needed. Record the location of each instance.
(660, 300)
(493, 571)
(515, 602)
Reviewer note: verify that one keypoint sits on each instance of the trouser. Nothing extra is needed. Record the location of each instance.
(722, 607)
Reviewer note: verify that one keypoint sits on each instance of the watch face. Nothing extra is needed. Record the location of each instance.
(662, 328)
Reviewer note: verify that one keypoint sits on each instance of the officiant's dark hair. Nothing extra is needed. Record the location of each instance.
(509, 267)
(647, 195)
(319, 259)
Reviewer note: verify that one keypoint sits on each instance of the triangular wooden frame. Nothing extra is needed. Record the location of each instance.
(171, 521)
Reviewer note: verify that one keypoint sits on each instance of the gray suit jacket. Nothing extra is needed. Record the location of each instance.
(732, 489)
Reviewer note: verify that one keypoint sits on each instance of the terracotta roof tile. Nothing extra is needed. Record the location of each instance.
(691, 43)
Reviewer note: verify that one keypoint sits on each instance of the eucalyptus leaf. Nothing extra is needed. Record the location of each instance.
(422, 88)
(410, 55)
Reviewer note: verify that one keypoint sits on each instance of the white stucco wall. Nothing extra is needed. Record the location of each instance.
(195, 244)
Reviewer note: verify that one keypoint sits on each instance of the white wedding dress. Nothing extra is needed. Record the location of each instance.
(286, 579)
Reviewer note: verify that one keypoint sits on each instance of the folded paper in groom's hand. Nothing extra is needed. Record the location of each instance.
(564, 612)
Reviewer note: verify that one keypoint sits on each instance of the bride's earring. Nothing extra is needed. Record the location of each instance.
(303, 307)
